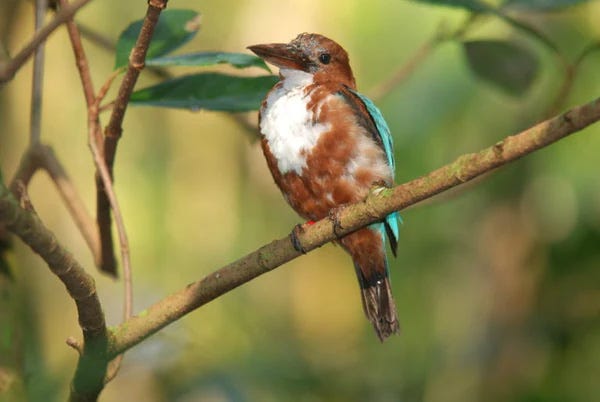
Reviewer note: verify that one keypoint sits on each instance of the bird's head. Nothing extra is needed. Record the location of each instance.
(311, 53)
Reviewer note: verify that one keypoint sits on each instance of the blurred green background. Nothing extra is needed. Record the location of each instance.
(497, 282)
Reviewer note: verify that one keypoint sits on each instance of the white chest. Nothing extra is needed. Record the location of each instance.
(287, 125)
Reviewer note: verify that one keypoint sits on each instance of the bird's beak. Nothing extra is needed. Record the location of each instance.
(282, 55)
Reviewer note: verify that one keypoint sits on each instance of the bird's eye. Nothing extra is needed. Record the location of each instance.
(325, 58)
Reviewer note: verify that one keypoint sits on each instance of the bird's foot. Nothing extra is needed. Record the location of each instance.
(378, 187)
(295, 236)
(335, 219)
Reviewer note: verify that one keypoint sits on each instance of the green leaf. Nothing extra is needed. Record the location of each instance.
(508, 66)
(477, 6)
(174, 28)
(238, 60)
(211, 91)
(540, 5)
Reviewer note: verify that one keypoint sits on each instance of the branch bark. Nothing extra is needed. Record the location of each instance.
(91, 367)
(377, 205)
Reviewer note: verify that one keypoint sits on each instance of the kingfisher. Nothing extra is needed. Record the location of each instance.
(326, 146)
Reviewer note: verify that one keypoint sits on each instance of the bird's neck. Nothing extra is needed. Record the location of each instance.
(295, 79)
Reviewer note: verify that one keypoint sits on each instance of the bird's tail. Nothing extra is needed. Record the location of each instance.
(378, 304)
(366, 247)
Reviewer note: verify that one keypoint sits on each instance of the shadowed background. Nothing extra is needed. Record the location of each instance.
(497, 282)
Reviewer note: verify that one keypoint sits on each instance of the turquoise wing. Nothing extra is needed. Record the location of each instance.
(382, 128)
(393, 220)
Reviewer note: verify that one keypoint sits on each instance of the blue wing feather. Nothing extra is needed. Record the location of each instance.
(382, 128)
(392, 220)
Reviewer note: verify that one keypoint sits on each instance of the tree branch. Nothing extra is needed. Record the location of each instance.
(80, 58)
(377, 205)
(91, 367)
(114, 128)
(40, 156)
(9, 69)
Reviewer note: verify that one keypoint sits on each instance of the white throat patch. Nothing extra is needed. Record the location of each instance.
(286, 123)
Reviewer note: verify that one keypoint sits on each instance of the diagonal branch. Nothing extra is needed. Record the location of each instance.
(39, 156)
(353, 217)
(9, 69)
(114, 128)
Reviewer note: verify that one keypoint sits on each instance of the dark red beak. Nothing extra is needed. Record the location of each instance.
(282, 55)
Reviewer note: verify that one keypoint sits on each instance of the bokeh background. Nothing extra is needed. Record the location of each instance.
(497, 282)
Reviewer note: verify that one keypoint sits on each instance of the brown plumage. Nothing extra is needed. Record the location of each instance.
(324, 151)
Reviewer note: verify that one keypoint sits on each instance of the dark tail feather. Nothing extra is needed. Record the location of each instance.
(392, 238)
(379, 305)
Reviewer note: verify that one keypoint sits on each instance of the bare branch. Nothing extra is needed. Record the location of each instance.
(80, 58)
(374, 208)
(8, 69)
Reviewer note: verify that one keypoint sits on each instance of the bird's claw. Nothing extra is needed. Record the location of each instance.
(335, 219)
(296, 232)
(378, 187)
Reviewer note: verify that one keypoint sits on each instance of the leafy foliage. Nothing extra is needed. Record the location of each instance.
(238, 60)
(211, 91)
(174, 28)
(508, 66)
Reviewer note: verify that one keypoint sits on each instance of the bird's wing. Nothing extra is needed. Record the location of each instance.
(380, 131)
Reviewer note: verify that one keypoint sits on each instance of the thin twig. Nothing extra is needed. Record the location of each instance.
(108, 44)
(374, 208)
(114, 128)
(107, 106)
(39, 156)
(80, 58)
(569, 78)
(88, 89)
(9, 69)
(103, 172)
(82, 218)
(35, 126)
(128, 304)
(96, 37)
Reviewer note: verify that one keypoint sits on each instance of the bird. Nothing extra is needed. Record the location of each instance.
(327, 146)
